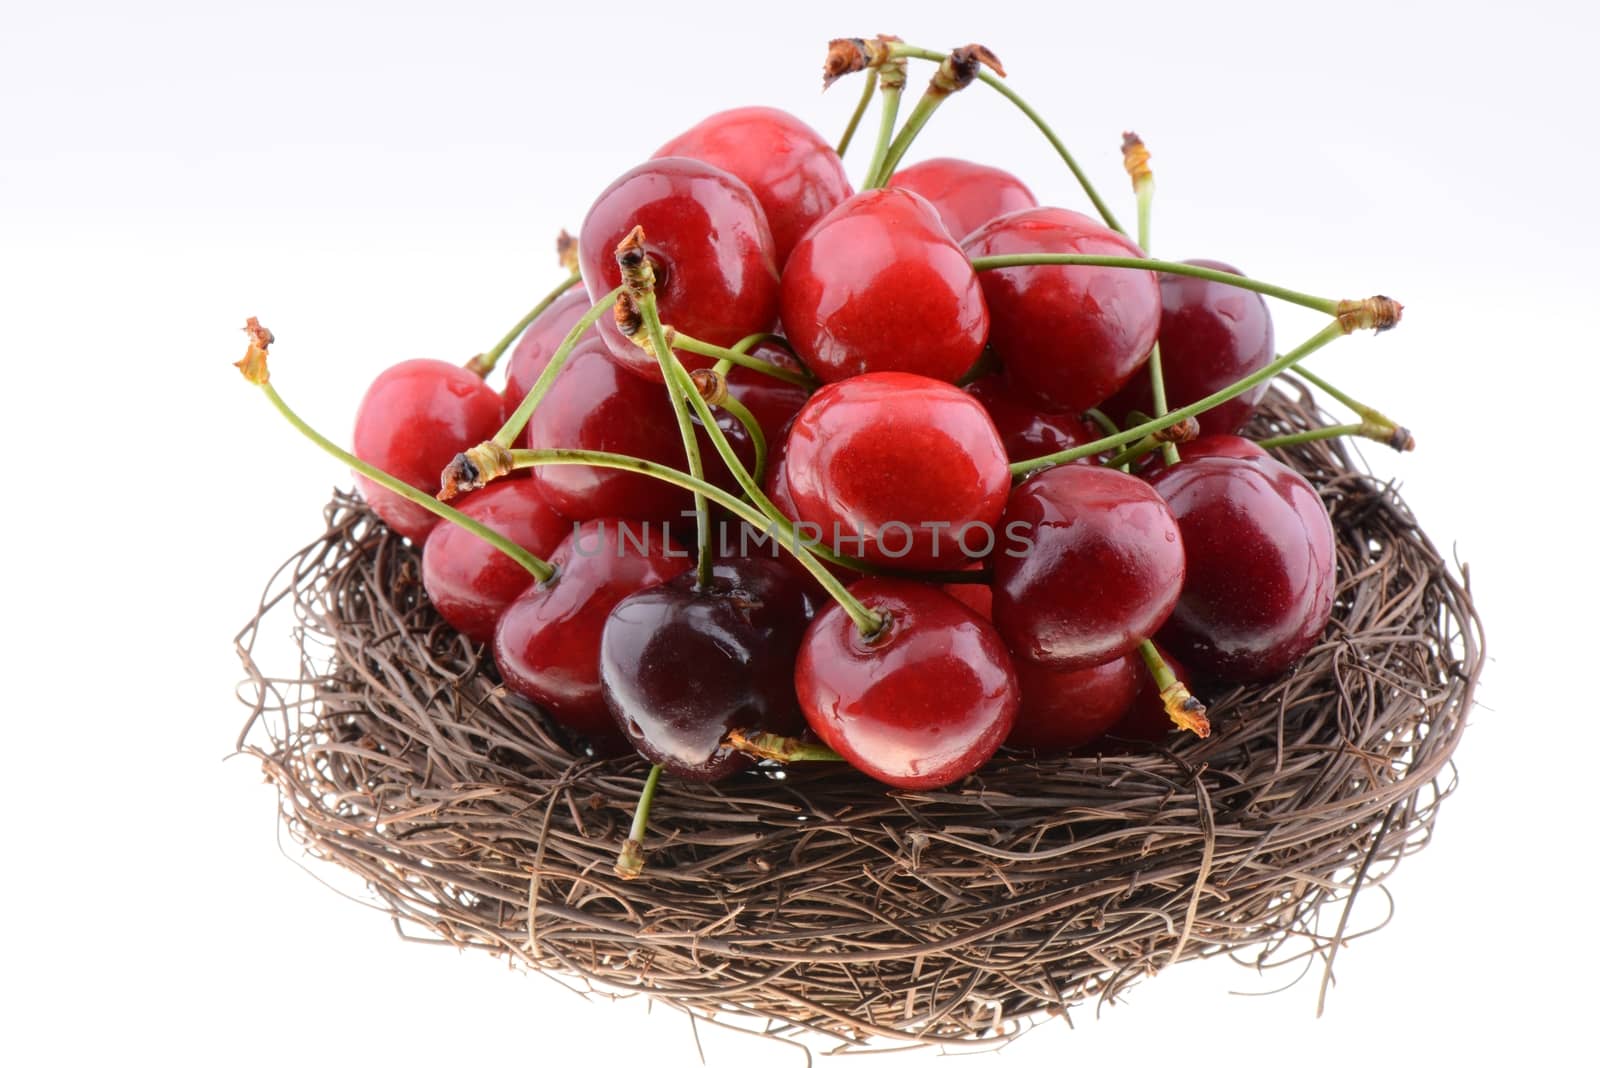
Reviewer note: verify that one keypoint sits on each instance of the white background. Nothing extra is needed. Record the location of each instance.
(384, 181)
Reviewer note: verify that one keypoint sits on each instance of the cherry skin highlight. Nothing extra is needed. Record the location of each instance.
(547, 645)
(911, 465)
(471, 582)
(793, 172)
(705, 234)
(1104, 570)
(1261, 566)
(541, 340)
(1062, 710)
(681, 664)
(413, 420)
(1212, 335)
(920, 705)
(878, 285)
(1070, 336)
(965, 194)
(1028, 430)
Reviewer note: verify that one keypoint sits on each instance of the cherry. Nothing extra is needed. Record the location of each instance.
(793, 172)
(1065, 709)
(1261, 565)
(706, 236)
(878, 285)
(919, 705)
(1071, 336)
(1211, 336)
(413, 420)
(911, 466)
(595, 404)
(1027, 430)
(1210, 445)
(540, 341)
(965, 194)
(776, 486)
(547, 645)
(682, 664)
(468, 580)
(1101, 569)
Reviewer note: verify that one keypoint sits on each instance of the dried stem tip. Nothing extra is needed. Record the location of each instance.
(474, 469)
(1178, 433)
(630, 323)
(254, 364)
(765, 746)
(567, 251)
(1185, 710)
(1135, 158)
(1391, 434)
(960, 68)
(1375, 313)
(630, 862)
(712, 386)
(638, 274)
(850, 55)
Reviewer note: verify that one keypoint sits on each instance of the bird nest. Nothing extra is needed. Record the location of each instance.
(818, 900)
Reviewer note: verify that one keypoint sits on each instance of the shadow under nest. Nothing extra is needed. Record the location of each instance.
(821, 901)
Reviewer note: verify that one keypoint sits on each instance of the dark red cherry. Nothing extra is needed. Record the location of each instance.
(965, 194)
(793, 172)
(1092, 566)
(1028, 430)
(468, 580)
(540, 342)
(878, 285)
(547, 645)
(1062, 710)
(1261, 566)
(595, 404)
(1071, 336)
(706, 235)
(1210, 445)
(1212, 335)
(683, 664)
(413, 420)
(919, 705)
(911, 466)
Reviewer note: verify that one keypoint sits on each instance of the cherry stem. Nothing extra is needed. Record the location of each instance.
(1332, 332)
(740, 357)
(519, 418)
(891, 82)
(927, 104)
(867, 90)
(1185, 711)
(785, 750)
(1072, 259)
(1367, 413)
(1101, 420)
(482, 364)
(1397, 438)
(536, 567)
(676, 392)
(758, 438)
(630, 861)
(999, 86)
(1136, 158)
(1187, 430)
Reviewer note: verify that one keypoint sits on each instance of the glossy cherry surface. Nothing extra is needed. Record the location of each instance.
(471, 582)
(1062, 710)
(1071, 336)
(1103, 567)
(912, 466)
(707, 237)
(920, 705)
(1212, 335)
(878, 285)
(413, 420)
(541, 340)
(547, 645)
(595, 404)
(1027, 430)
(965, 194)
(681, 664)
(1261, 566)
(793, 172)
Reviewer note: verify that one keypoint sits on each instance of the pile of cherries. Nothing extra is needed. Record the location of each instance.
(875, 391)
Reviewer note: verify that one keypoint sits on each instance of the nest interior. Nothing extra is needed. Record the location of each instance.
(815, 898)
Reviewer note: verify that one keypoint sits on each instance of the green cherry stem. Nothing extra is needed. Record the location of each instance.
(740, 357)
(1101, 420)
(758, 438)
(956, 72)
(1331, 332)
(630, 861)
(1071, 259)
(1136, 160)
(890, 106)
(519, 418)
(1397, 438)
(482, 364)
(867, 89)
(254, 368)
(1367, 413)
(1185, 711)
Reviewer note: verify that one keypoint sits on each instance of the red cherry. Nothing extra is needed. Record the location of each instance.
(878, 285)
(708, 239)
(547, 645)
(1261, 565)
(965, 194)
(1027, 430)
(1100, 571)
(413, 420)
(793, 172)
(911, 466)
(1065, 709)
(540, 341)
(468, 580)
(1072, 336)
(1212, 335)
(776, 486)
(920, 705)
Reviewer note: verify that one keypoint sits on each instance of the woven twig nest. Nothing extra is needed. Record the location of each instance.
(816, 897)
